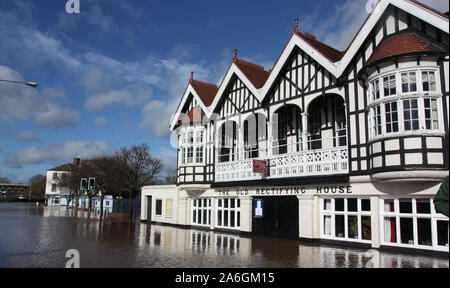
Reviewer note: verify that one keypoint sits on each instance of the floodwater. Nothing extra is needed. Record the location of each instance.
(40, 237)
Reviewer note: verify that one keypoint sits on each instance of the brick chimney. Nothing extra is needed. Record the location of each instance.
(76, 162)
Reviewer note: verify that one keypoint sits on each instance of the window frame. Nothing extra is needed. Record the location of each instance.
(408, 72)
(189, 145)
(222, 208)
(156, 207)
(195, 208)
(433, 216)
(359, 213)
(420, 94)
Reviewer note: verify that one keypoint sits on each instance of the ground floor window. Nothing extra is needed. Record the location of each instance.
(158, 210)
(346, 219)
(169, 208)
(228, 213)
(201, 212)
(413, 222)
(56, 201)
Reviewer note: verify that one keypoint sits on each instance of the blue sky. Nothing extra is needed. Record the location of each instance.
(112, 75)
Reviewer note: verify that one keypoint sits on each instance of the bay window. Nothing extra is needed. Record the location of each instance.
(192, 146)
(403, 105)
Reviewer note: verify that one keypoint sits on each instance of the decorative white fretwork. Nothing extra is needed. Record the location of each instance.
(308, 163)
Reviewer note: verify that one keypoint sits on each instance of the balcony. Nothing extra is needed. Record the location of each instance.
(288, 160)
(310, 163)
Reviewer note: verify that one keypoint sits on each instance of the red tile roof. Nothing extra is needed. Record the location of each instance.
(401, 44)
(255, 73)
(205, 91)
(66, 167)
(329, 52)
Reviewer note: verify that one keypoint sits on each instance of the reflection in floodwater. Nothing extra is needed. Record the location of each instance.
(39, 237)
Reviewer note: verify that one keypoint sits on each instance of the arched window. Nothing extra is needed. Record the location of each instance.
(227, 150)
(287, 130)
(255, 135)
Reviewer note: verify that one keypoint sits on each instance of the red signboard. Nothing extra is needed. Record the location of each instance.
(260, 166)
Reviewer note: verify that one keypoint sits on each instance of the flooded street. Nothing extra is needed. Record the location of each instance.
(40, 236)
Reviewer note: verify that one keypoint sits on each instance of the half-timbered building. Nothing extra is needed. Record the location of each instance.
(347, 147)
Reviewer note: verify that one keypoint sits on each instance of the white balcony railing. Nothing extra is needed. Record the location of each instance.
(236, 171)
(330, 161)
(310, 163)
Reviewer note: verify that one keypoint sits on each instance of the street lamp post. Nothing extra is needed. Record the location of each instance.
(31, 84)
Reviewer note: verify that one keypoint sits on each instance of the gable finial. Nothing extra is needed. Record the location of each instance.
(296, 25)
(235, 55)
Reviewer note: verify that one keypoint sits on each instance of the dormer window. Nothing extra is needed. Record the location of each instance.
(192, 146)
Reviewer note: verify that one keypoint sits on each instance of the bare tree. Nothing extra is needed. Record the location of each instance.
(124, 173)
(106, 170)
(70, 183)
(138, 168)
(38, 183)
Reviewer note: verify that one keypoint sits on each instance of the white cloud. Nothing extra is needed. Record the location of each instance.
(96, 17)
(27, 44)
(102, 122)
(27, 136)
(93, 15)
(36, 43)
(156, 115)
(348, 16)
(168, 158)
(94, 79)
(17, 101)
(129, 96)
(20, 102)
(54, 94)
(338, 30)
(57, 154)
(54, 117)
